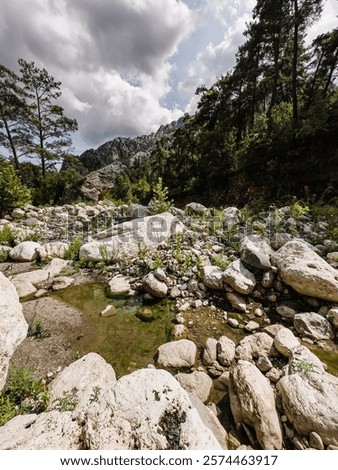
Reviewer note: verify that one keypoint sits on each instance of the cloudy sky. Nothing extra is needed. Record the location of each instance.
(128, 66)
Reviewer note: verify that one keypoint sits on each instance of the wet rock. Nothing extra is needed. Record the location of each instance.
(179, 354)
(61, 282)
(119, 285)
(153, 286)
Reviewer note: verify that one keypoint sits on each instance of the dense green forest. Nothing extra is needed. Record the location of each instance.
(266, 129)
(271, 122)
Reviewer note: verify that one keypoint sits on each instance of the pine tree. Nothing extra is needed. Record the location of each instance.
(48, 126)
(14, 135)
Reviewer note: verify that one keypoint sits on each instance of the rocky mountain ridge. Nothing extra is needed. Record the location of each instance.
(101, 165)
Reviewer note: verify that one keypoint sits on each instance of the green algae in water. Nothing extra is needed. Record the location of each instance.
(124, 340)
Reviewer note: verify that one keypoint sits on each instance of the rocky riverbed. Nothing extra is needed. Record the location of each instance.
(253, 357)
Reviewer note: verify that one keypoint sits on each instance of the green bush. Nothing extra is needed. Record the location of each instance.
(160, 201)
(7, 236)
(73, 251)
(12, 192)
(36, 330)
(22, 395)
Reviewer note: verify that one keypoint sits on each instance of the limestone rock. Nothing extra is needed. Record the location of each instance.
(52, 250)
(119, 285)
(194, 208)
(154, 286)
(158, 413)
(52, 431)
(252, 402)
(210, 351)
(56, 266)
(313, 325)
(256, 252)
(126, 238)
(285, 341)
(306, 272)
(210, 420)
(302, 361)
(197, 383)
(232, 216)
(179, 354)
(285, 311)
(212, 277)
(254, 346)
(251, 326)
(82, 376)
(61, 282)
(332, 316)
(226, 350)
(13, 326)
(239, 278)
(237, 301)
(310, 402)
(24, 251)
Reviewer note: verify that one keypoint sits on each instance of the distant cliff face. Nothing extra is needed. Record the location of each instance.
(124, 150)
(101, 165)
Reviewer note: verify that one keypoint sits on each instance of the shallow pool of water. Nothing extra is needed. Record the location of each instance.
(126, 341)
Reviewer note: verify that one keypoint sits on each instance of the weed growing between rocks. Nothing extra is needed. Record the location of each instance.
(22, 395)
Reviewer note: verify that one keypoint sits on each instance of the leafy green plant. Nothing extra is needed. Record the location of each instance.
(3, 256)
(220, 261)
(178, 246)
(12, 192)
(22, 394)
(95, 395)
(68, 401)
(72, 253)
(7, 236)
(37, 331)
(142, 251)
(304, 366)
(299, 209)
(160, 201)
(108, 255)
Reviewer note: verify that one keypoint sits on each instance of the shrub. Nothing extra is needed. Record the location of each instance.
(7, 236)
(12, 192)
(22, 395)
(160, 202)
(72, 253)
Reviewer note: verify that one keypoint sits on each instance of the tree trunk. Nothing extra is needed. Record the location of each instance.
(295, 64)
